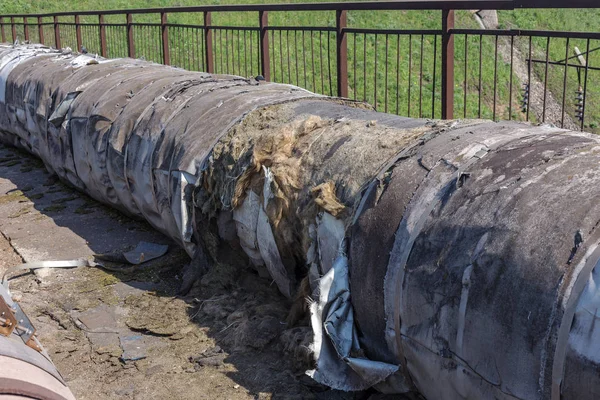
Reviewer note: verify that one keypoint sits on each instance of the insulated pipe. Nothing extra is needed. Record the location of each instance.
(26, 373)
(21, 380)
(452, 258)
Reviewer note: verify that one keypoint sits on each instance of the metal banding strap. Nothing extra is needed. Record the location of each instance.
(591, 261)
(42, 264)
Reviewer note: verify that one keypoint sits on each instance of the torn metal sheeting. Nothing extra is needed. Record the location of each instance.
(42, 264)
(439, 255)
(336, 345)
(145, 252)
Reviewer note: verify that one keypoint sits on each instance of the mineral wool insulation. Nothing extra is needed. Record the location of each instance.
(452, 258)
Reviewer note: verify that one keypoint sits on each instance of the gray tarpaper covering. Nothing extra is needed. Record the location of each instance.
(477, 280)
(458, 261)
(336, 338)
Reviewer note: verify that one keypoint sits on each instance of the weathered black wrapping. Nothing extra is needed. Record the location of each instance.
(470, 246)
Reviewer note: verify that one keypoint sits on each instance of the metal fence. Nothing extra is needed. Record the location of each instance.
(439, 73)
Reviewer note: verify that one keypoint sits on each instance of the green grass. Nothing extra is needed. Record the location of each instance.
(309, 61)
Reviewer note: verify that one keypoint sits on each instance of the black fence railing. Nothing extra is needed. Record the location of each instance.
(539, 76)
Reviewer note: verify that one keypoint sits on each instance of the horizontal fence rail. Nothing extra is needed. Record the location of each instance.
(429, 73)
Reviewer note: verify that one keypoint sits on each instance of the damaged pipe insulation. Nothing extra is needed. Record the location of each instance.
(457, 259)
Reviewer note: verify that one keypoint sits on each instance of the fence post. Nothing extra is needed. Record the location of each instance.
(56, 33)
(210, 65)
(78, 33)
(2, 33)
(130, 43)
(102, 30)
(164, 28)
(14, 29)
(263, 17)
(447, 64)
(25, 28)
(40, 29)
(342, 53)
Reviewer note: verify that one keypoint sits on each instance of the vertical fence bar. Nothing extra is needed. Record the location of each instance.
(398, 74)
(40, 29)
(480, 75)
(56, 33)
(220, 51)
(281, 58)
(421, 79)
(226, 52)
(562, 117)
(208, 43)
(304, 57)
(130, 42)
(529, 64)
(341, 19)
(78, 33)
(263, 19)
(2, 33)
(201, 51)
(25, 28)
(164, 30)
(14, 29)
(386, 73)
(102, 29)
(288, 57)
(495, 77)
(447, 64)
(296, 50)
(410, 65)
(329, 62)
(375, 76)
(312, 56)
(434, 73)
(354, 67)
(585, 83)
(546, 79)
(510, 84)
(364, 67)
(466, 82)
(273, 47)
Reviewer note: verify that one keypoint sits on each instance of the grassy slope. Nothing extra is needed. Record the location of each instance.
(365, 89)
(564, 20)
